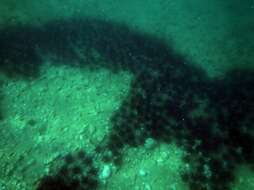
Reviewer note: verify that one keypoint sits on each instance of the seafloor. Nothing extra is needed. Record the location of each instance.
(120, 95)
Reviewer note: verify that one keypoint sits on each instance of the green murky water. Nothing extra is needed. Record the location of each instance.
(118, 95)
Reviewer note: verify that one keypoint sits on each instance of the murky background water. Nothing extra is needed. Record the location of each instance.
(153, 94)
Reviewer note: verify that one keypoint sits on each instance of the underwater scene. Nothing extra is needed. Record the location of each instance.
(127, 95)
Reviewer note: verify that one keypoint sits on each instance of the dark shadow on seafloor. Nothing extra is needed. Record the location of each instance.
(170, 99)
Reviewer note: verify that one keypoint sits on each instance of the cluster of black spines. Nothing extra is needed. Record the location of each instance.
(211, 120)
(170, 99)
(76, 173)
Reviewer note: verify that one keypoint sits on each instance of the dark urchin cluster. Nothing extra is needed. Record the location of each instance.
(76, 173)
(211, 119)
(170, 99)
